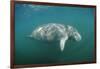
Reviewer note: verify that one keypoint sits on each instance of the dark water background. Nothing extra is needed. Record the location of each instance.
(31, 51)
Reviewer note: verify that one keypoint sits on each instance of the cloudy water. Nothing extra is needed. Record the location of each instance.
(32, 51)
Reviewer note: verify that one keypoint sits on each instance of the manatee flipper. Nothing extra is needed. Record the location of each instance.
(62, 43)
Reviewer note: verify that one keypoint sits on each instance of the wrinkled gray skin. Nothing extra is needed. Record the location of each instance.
(53, 31)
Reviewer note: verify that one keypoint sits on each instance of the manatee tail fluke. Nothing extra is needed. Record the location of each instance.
(62, 43)
(29, 36)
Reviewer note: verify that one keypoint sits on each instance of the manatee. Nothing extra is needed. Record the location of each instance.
(55, 31)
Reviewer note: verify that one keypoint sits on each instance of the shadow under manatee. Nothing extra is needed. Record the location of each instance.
(44, 52)
(49, 51)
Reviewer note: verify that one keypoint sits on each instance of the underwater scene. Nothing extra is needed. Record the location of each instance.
(47, 34)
